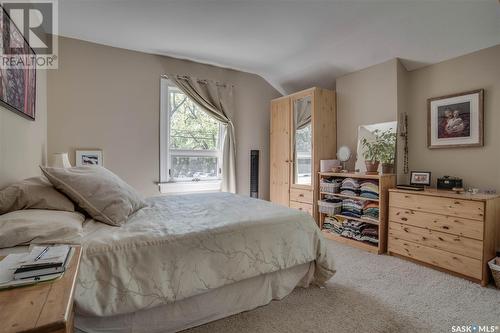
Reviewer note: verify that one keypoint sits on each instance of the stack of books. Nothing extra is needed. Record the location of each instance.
(42, 263)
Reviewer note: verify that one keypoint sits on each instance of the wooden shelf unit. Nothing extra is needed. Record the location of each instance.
(385, 182)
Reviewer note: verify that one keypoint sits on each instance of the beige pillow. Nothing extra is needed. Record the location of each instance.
(37, 226)
(33, 193)
(101, 193)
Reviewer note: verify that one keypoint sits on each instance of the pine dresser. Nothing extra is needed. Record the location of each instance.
(456, 233)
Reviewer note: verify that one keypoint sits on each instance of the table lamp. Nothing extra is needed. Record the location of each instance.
(60, 160)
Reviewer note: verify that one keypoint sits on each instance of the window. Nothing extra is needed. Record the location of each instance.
(191, 144)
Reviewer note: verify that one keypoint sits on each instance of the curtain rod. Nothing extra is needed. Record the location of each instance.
(202, 81)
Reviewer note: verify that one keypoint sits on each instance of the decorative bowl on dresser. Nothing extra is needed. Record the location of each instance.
(452, 232)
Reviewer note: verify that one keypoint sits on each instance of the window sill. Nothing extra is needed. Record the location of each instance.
(190, 187)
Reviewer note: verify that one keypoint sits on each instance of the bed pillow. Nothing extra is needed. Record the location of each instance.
(33, 193)
(98, 191)
(39, 226)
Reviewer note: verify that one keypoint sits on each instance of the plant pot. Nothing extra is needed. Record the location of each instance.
(372, 166)
(387, 167)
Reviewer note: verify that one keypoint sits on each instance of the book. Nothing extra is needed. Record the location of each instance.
(14, 260)
(410, 187)
(42, 261)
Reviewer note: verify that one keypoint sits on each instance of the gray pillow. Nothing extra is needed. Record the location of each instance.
(33, 193)
(98, 191)
(37, 226)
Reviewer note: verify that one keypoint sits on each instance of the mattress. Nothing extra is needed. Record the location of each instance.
(184, 246)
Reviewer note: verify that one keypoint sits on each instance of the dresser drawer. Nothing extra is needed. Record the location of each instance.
(302, 206)
(453, 262)
(439, 240)
(301, 195)
(449, 224)
(439, 205)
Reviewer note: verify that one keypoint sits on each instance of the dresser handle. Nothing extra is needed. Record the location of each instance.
(404, 219)
(301, 195)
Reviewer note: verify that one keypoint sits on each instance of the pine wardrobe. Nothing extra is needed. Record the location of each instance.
(303, 132)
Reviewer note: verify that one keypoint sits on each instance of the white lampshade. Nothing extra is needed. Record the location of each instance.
(60, 160)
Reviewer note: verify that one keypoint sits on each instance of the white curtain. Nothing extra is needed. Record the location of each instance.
(217, 100)
(302, 112)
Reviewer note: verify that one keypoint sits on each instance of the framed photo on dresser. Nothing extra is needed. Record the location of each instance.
(456, 120)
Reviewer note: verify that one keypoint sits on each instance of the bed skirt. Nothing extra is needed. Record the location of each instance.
(197, 310)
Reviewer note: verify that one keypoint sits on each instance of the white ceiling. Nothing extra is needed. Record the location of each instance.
(292, 44)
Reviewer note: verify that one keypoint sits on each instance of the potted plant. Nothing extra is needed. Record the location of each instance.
(380, 149)
(371, 152)
(387, 150)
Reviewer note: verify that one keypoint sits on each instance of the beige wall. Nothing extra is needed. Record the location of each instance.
(479, 167)
(108, 98)
(365, 97)
(382, 92)
(22, 141)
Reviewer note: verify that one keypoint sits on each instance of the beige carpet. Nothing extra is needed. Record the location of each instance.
(372, 293)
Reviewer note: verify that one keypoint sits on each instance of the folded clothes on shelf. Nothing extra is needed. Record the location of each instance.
(370, 211)
(370, 234)
(352, 208)
(369, 189)
(349, 186)
(357, 230)
(334, 223)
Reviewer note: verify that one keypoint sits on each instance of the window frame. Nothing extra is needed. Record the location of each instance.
(169, 184)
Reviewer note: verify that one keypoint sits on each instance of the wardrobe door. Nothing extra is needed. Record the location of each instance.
(280, 151)
(301, 105)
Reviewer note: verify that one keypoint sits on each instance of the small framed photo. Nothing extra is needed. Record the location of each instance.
(456, 120)
(88, 157)
(420, 178)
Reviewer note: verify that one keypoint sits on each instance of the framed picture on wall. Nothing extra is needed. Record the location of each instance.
(17, 72)
(456, 120)
(88, 157)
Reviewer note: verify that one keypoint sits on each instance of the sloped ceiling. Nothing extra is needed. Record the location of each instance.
(292, 44)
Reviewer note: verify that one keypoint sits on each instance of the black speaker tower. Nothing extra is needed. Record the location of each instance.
(254, 173)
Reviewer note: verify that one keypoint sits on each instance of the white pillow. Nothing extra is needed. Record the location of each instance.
(39, 226)
(33, 193)
(101, 193)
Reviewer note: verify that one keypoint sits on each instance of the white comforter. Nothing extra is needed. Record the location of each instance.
(182, 246)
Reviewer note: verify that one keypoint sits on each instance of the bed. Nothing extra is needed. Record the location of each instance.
(186, 260)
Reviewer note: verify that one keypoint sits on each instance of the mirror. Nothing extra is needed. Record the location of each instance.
(376, 148)
(344, 154)
(302, 147)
